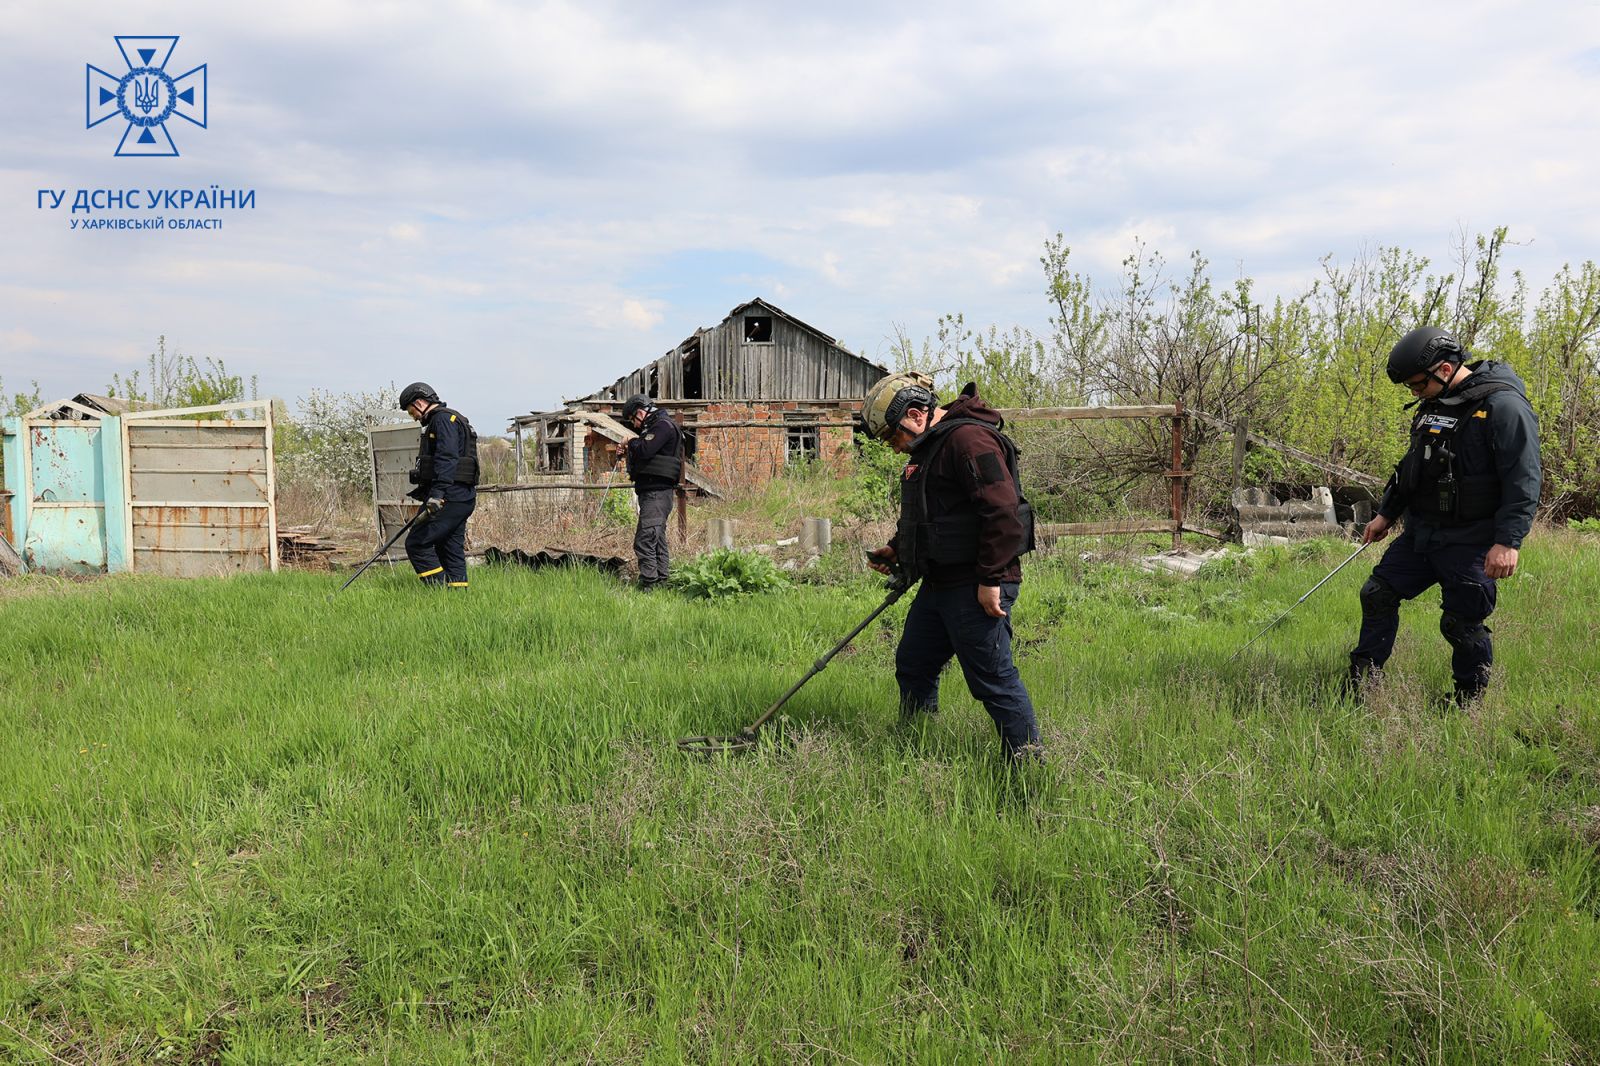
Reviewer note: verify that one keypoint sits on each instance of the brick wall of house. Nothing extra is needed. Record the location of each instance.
(745, 456)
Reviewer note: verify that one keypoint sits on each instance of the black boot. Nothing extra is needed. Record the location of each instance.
(1363, 674)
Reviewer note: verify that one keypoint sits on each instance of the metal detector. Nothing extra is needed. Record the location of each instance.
(381, 551)
(1301, 600)
(745, 739)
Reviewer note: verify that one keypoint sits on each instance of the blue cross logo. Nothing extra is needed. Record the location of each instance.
(145, 97)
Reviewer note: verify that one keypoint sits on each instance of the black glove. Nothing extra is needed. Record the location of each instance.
(432, 507)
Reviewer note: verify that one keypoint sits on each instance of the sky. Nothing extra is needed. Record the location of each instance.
(520, 202)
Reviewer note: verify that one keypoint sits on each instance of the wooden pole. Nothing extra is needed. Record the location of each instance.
(683, 496)
(1241, 444)
(1176, 476)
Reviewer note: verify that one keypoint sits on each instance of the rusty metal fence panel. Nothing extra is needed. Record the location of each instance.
(63, 491)
(199, 491)
(394, 451)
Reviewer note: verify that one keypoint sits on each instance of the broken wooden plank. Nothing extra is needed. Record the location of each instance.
(1292, 452)
(11, 563)
(1048, 414)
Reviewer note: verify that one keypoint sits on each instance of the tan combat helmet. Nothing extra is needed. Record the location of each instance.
(888, 399)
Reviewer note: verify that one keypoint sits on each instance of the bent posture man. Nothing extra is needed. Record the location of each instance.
(964, 526)
(1468, 487)
(446, 478)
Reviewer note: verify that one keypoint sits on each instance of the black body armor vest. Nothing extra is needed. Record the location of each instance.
(923, 542)
(662, 464)
(466, 467)
(1426, 473)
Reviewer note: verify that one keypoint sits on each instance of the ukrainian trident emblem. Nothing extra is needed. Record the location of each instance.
(146, 96)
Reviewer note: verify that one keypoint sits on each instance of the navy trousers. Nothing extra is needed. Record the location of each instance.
(945, 622)
(437, 547)
(1467, 598)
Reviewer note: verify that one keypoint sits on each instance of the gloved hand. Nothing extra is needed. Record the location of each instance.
(432, 507)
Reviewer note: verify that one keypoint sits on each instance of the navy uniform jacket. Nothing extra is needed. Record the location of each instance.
(450, 443)
(1501, 438)
(659, 436)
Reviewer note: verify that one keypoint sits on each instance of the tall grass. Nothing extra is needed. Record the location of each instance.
(245, 823)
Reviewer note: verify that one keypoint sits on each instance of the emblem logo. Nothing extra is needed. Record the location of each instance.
(145, 97)
(1438, 423)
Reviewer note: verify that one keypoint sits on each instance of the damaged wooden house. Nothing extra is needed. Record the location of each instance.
(754, 393)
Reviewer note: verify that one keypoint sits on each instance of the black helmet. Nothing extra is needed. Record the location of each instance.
(636, 403)
(1421, 350)
(417, 390)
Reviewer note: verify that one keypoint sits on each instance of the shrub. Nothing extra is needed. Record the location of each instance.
(615, 508)
(726, 572)
(874, 486)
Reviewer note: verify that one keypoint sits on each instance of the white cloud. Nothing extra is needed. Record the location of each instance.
(496, 181)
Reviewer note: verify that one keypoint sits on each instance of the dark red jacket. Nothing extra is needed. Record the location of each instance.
(969, 474)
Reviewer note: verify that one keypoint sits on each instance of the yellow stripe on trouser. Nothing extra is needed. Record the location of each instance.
(430, 573)
(458, 584)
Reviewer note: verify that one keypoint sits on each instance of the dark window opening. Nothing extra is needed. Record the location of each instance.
(758, 329)
(691, 377)
(556, 458)
(802, 444)
(691, 439)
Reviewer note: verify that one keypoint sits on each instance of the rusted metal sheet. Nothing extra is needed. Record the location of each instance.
(153, 491)
(63, 486)
(394, 452)
(199, 493)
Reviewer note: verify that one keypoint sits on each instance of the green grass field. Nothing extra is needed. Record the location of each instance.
(242, 823)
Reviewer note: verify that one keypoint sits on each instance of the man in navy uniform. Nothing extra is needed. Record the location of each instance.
(1468, 487)
(654, 461)
(445, 476)
(963, 528)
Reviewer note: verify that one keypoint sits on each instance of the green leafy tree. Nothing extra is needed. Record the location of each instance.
(172, 379)
(15, 405)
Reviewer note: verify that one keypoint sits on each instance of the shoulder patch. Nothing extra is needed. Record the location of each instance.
(991, 470)
(452, 418)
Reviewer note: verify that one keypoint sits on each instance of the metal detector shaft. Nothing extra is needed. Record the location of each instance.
(817, 667)
(1301, 600)
(383, 550)
(745, 739)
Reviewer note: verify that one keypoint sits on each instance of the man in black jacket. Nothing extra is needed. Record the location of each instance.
(446, 478)
(963, 528)
(1468, 486)
(655, 462)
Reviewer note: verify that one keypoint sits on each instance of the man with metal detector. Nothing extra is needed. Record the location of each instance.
(446, 478)
(654, 461)
(964, 526)
(1468, 487)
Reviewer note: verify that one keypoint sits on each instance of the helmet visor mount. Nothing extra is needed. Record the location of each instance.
(907, 398)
